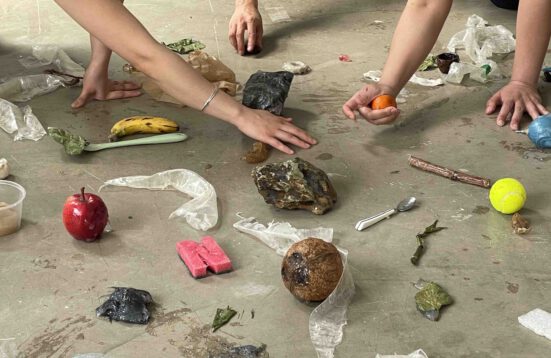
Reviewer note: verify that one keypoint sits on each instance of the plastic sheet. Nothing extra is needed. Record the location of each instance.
(44, 55)
(23, 88)
(427, 82)
(538, 321)
(20, 121)
(329, 317)
(201, 212)
(480, 42)
(417, 354)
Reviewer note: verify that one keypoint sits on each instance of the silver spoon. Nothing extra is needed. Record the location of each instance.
(404, 205)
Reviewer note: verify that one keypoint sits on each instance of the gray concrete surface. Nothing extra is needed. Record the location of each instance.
(50, 284)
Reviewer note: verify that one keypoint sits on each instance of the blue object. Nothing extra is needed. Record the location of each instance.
(539, 131)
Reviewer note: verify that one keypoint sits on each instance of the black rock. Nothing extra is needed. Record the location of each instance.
(267, 90)
(127, 305)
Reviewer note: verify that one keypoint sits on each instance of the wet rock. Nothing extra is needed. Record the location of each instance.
(127, 305)
(311, 269)
(295, 184)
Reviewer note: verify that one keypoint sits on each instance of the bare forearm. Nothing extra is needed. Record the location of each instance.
(127, 37)
(415, 35)
(533, 32)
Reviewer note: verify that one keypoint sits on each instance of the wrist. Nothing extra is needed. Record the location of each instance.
(521, 82)
(246, 3)
(388, 89)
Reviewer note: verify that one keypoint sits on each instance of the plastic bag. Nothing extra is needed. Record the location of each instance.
(329, 317)
(481, 41)
(417, 354)
(458, 70)
(20, 121)
(267, 90)
(427, 82)
(201, 212)
(44, 55)
(208, 66)
(22, 89)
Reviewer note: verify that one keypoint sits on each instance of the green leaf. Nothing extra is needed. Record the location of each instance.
(430, 299)
(185, 46)
(73, 144)
(428, 64)
(223, 316)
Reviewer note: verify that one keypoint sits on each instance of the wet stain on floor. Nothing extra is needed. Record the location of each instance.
(481, 210)
(512, 287)
(527, 150)
(324, 156)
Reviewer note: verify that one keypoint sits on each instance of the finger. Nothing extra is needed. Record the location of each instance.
(251, 31)
(239, 36)
(259, 34)
(532, 110)
(279, 146)
(287, 119)
(122, 94)
(289, 138)
(84, 98)
(542, 108)
(348, 112)
(517, 115)
(232, 36)
(297, 132)
(493, 103)
(506, 108)
(375, 115)
(385, 120)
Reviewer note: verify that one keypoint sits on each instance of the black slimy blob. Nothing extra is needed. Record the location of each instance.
(127, 305)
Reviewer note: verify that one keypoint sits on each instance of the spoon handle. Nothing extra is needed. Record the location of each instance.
(365, 223)
(156, 139)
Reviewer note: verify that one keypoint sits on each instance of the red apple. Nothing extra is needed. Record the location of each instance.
(85, 216)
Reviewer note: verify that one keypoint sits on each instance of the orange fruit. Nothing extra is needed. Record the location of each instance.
(383, 101)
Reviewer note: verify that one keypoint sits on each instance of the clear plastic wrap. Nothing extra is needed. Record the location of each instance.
(23, 88)
(427, 82)
(201, 212)
(20, 121)
(329, 317)
(44, 55)
(417, 354)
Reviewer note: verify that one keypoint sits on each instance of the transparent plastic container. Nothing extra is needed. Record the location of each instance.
(11, 206)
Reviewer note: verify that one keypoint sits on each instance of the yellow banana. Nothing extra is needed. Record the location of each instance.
(142, 125)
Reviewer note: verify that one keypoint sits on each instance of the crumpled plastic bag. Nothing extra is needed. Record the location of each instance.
(23, 88)
(329, 317)
(211, 68)
(44, 55)
(201, 212)
(417, 354)
(427, 82)
(20, 121)
(480, 42)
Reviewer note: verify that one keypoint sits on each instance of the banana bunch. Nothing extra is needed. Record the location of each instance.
(142, 125)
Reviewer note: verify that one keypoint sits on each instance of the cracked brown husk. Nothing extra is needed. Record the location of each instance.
(295, 184)
(520, 224)
(430, 299)
(223, 316)
(421, 241)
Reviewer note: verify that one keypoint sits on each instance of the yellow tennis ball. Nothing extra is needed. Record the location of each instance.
(507, 195)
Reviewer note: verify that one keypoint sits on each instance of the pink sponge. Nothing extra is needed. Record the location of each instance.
(200, 256)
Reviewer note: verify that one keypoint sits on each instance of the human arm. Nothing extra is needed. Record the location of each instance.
(520, 94)
(96, 84)
(246, 17)
(127, 37)
(407, 51)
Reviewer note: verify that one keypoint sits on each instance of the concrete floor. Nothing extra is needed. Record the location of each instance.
(50, 284)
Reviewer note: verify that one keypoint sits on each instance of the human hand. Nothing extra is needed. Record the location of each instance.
(273, 130)
(97, 86)
(515, 98)
(361, 100)
(246, 17)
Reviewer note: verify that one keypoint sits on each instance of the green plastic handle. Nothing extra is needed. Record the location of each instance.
(157, 139)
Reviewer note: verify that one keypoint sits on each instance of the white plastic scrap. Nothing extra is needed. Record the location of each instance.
(329, 317)
(296, 67)
(427, 82)
(20, 121)
(417, 354)
(538, 321)
(201, 212)
(23, 88)
(44, 55)
(480, 42)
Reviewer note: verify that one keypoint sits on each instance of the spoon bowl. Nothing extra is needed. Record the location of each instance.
(406, 204)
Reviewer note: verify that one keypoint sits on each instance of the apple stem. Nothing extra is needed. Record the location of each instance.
(82, 198)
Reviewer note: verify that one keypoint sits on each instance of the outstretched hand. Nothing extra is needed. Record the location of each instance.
(360, 103)
(246, 18)
(274, 130)
(515, 99)
(97, 86)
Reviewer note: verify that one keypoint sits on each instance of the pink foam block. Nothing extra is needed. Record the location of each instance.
(200, 256)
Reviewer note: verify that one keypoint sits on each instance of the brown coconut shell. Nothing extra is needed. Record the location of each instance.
(311, 269)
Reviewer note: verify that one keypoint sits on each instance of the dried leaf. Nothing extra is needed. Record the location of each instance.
(430, 299)
(223, 316)
(520, 224)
